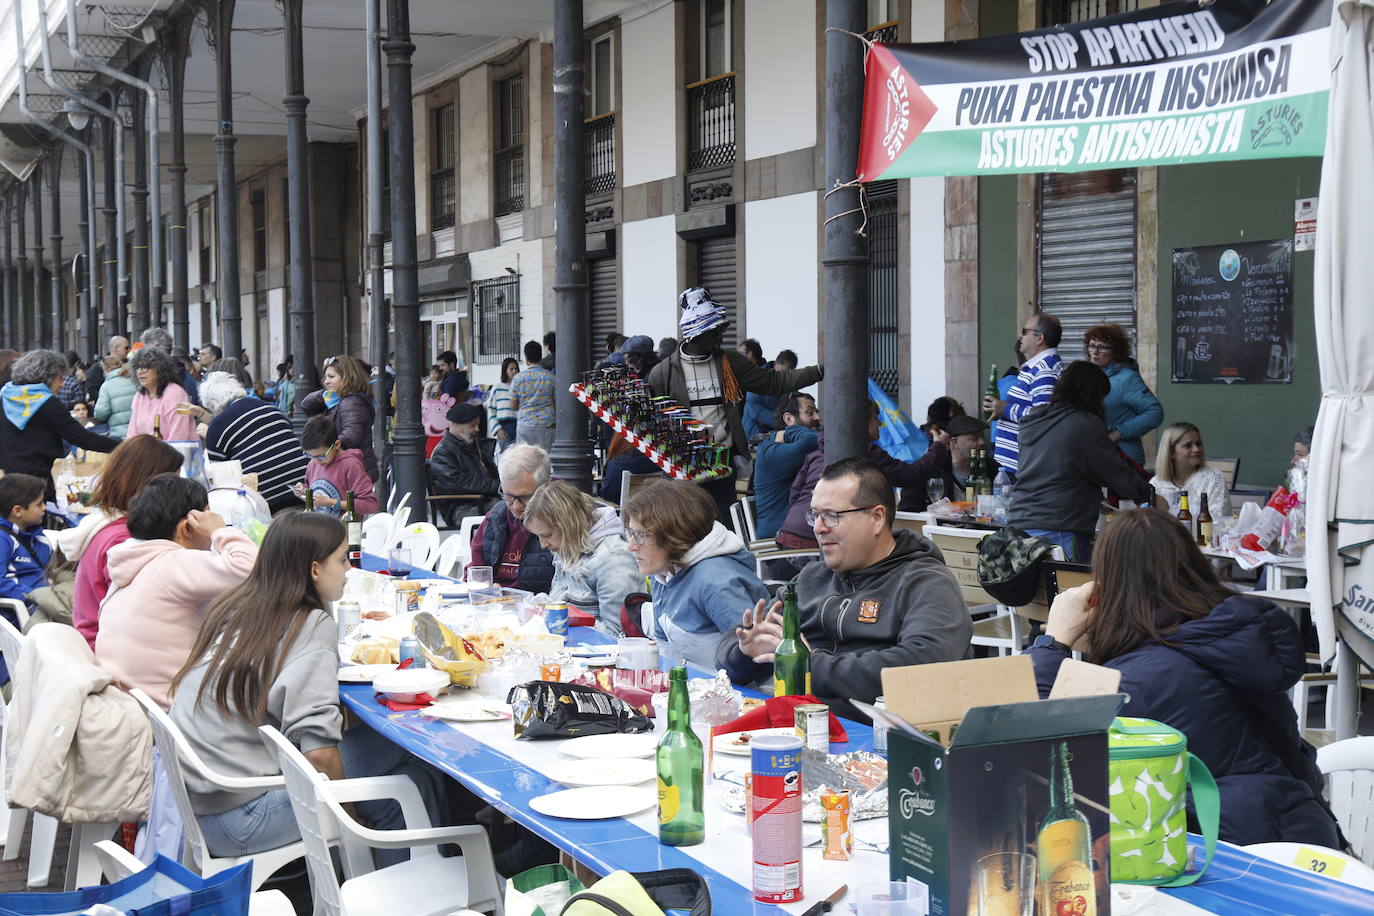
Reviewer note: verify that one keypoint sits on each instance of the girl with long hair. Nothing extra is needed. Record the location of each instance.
(267, 654)
(1213, 663)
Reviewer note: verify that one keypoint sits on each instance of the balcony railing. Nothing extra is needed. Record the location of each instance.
(885, 33)
(600, 151)
(442, 199)
(510, 180)
(711, 122)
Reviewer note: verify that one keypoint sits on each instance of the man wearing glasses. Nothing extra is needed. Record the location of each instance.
(880, 599)
(1039, 372)
(516, 557)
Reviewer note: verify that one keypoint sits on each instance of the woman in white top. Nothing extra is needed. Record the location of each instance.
(1181, 465)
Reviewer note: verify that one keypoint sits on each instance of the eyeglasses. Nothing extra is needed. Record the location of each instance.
(522, 498)
(1027, 331)
(1099, 348)
(324, 459)
(638, 535)
(831, 517)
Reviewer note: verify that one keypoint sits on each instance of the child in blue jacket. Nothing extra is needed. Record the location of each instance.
(24, 553)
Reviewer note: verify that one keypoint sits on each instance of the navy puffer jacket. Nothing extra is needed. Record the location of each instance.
(1224, 672)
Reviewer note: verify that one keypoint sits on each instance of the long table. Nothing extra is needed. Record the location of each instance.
(506, 773)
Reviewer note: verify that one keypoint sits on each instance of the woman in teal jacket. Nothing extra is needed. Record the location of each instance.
(1132, 408)
(115, 401)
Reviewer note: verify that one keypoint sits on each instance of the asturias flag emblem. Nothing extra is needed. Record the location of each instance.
(896, 110)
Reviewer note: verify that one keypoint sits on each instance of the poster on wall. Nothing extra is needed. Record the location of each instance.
(1233, 313)
(1176, 83)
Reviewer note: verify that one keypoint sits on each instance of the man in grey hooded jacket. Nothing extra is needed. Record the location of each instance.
(880, 599)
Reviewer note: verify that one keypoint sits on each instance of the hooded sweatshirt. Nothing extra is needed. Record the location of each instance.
(906, 609)
(698, 606)
(92, 582)
(24, 556)
(159, 593)
(1066, 460)
(1224, 684)
(600, 578)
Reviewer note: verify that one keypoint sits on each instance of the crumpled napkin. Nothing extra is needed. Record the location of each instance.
(421, 701)
(777, 712)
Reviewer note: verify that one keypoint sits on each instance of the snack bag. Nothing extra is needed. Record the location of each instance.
(446, 651)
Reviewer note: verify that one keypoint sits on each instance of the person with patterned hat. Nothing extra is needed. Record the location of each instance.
(711, 382)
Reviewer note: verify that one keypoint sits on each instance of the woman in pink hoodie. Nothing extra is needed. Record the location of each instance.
(158, 396)
(180, 558)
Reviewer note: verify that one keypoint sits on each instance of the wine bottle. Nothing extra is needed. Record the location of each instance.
(991, 390)
(984, 473)
(681, 771)
(157, 425)
(791, 659)
(1064, 847)
(1204, 524)
(1185, 517)
(971, 482)
(354, 524)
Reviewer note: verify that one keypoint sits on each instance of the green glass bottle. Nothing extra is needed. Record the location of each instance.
(1064, 846)
(309, 500)
(792, 659)
(681, 771)
(991, 390)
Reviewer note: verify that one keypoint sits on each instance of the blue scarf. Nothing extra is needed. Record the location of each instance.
(23, 401)
(331, 399)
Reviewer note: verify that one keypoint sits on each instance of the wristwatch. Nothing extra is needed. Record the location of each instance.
(1046, 641)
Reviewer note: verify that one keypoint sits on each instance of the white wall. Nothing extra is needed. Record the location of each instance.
(927, 230)
(780, 56)
(648, 269)
(648, 121)
(780, 277)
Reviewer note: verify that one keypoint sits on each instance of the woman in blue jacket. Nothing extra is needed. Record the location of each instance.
(701, 576)
(1213, 663)
(1132, 408)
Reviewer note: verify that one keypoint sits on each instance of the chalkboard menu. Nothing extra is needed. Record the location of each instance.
(1233, 313)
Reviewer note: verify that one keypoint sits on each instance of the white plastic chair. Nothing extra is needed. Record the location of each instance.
(426, 885)
(466, 531)
(177, 757)
(44, 836)
(1319, 860)
(422, 540)
(20, 608)
(117, 862)
(450, 552)
(377, 533)
(399, 518)
(1349, 767)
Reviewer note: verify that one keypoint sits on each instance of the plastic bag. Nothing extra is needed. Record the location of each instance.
(549, 709)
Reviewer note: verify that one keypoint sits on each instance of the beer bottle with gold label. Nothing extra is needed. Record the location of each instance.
(1185, 517)
(157, 425)
(1064, 847)
(1204, 524)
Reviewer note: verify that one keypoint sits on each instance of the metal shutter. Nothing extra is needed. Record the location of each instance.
(1087, 252)
(716, 272)
(882, 286)
(601, 305)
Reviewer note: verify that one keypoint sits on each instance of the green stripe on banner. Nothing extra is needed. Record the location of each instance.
(1272, 129)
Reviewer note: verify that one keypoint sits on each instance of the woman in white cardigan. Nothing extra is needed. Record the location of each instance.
(1181, 466)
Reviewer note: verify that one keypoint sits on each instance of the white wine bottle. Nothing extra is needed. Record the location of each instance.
(1064, 848)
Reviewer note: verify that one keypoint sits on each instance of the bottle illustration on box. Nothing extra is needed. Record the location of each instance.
(1064, 848)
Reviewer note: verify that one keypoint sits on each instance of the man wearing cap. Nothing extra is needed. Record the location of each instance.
(947, 459)
(462, 463)
(711, 383)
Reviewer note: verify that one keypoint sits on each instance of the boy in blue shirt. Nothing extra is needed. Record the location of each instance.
(24, 553)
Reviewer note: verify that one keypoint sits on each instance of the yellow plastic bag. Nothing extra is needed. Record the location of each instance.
(446, 651)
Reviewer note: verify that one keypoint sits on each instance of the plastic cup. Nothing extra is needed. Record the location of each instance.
(893, 898)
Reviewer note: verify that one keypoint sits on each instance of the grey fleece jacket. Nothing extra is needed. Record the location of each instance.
(302, 703)
(600, 578)
(906, 609)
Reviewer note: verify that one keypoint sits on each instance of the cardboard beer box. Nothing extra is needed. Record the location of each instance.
(997, 799)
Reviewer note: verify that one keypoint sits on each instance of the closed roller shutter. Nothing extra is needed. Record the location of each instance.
(716, 272)
(1087, 252)
(602, 305)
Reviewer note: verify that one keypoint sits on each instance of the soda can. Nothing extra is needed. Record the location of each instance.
(348, 615)
(813, 726)
(776, 801)
(880, 729)
(837, 840)
(556, 619)
(410, 649)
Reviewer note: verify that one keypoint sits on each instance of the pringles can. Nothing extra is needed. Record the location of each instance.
(556, 619)
(776, 804)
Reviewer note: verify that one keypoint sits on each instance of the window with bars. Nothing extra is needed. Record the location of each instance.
(882, 21)
(600, 154)
(1055, 12)
(601, 75)
(443, 185)
(510, 145)
(711, 99)
(883, 300)
(496, 320)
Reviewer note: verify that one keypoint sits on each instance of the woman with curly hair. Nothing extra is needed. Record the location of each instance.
(1132, 409)
(344, 397)
(159, 393)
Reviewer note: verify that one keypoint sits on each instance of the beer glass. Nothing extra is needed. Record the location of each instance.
(1005, 884)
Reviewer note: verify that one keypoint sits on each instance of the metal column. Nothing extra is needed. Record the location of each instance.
(408, 443)
(231, 333)
(140, 315)
(85, 278)
(41, 334)
(114, 319)
(11, 311)
(572, 452)
(845, 258)
(21, 296)
(175, 39)
(59, 306)
(376, 229)
(298, 190)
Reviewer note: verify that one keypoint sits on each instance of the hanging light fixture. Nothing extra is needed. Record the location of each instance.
(77, 116)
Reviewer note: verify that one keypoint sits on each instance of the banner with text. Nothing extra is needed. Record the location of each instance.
(1235, 79)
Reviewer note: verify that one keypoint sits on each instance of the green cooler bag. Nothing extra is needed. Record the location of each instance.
(1149, 774)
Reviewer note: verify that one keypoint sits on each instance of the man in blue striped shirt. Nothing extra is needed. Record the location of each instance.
(1033, 387)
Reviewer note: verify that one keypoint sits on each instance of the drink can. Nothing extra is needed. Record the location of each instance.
(550, 671)
(776, 801)
(556, 619)
(813, 726)
(880, 729)
(837, 840)
(410, 649)
(347, 614)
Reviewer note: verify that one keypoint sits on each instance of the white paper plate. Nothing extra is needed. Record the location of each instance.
(592, 651)
(596, 802)
(618, 745)
(468, 711)
(362, 674)
(725, 744)
(606, 771)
